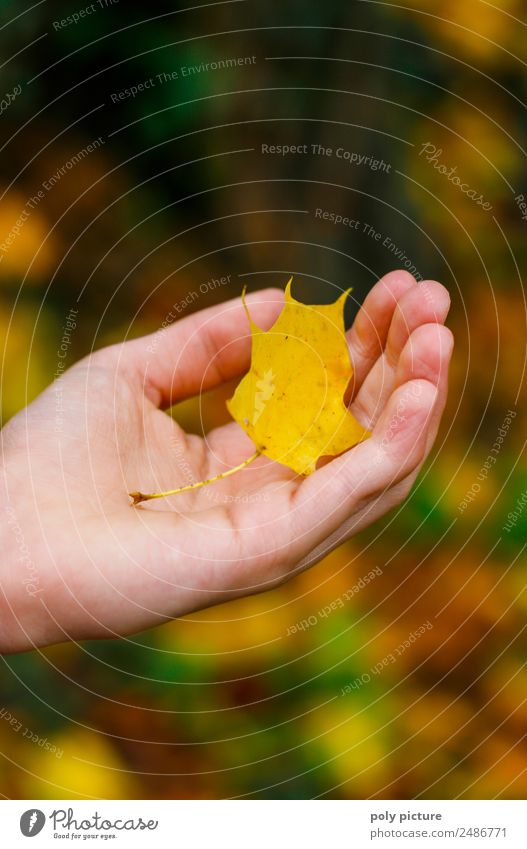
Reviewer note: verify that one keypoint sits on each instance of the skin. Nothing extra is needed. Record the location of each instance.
(79, 562)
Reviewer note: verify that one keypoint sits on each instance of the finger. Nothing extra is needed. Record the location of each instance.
(428, 302)
(201, 351)
(425, 303)
(426, 356)
(367, 336)
(397, 447)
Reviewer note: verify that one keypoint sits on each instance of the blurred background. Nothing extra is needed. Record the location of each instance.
(131, 174)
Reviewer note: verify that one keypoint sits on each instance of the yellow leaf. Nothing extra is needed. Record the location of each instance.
(291, 403)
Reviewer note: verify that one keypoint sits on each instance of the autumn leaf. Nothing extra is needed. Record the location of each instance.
(291, 402)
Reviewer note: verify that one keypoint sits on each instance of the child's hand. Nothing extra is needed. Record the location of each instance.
(79, 562)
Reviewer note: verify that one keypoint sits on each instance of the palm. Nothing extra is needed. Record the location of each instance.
(241, 534)
(154, 451)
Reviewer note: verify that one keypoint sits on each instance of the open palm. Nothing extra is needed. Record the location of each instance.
(95, 567)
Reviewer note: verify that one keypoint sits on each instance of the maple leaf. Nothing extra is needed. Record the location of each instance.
(291, 402)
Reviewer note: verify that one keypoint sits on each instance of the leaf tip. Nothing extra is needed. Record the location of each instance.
(244, 302)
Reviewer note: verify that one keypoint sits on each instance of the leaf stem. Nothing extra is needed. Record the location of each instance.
(138, 497)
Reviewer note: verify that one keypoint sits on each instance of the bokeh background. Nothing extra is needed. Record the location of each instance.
(229, 702)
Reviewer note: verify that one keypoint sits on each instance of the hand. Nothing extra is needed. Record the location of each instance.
(80, 562)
